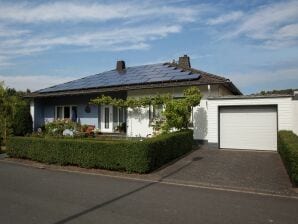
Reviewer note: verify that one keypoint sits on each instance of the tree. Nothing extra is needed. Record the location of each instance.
(177, 115)
(6, 111)
(177, 112)
(14, 112)
(280, 92)
(22, 121)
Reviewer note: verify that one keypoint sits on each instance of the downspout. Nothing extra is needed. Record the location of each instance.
(32, 110)
(209, 90)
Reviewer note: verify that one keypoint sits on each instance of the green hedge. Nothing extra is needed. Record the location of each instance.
(132, 156)
(288, 150)
(0, 143)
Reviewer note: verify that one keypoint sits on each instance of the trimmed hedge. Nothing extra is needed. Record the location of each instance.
(132, 156)
(0, 144)
(288, 150)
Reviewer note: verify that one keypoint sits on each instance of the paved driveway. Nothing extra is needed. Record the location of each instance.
(236, 169)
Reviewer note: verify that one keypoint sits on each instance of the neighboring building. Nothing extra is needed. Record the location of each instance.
(225, 118)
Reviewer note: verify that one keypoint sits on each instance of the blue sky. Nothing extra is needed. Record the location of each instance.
(253, 43)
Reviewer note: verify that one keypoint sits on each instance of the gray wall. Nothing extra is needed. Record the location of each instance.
(38, 114)
(45, 108)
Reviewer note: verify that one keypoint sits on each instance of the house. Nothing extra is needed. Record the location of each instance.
(224, 119)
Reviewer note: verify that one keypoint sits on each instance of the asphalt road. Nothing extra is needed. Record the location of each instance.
(31, 195)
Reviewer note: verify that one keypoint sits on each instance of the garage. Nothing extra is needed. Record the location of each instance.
(248, 127)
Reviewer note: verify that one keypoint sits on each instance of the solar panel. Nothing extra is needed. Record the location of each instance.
(132, 75)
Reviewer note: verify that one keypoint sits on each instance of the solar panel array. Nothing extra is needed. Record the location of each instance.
(132, 75)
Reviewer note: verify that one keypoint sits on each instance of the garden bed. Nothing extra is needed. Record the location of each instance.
(124, 155)
(288, 150)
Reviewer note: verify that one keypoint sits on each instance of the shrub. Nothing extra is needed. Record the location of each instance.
(57, 127)
(288, 150)
(132, 156)
(22, 121)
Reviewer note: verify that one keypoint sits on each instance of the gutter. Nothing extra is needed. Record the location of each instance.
(129, 87)
(240, 97)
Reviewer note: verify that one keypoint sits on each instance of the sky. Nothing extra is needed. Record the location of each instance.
(254, 43)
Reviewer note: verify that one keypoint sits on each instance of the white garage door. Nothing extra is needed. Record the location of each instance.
(248, 127)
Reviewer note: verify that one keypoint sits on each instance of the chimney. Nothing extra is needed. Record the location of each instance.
(120, 66)
(184, 61)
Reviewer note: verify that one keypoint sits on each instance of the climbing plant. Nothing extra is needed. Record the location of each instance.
(177, 112)
(131, 101)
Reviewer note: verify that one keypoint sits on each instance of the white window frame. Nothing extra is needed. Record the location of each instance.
(63, 106)
(151, 113)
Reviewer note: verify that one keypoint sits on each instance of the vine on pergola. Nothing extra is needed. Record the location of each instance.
(131, 102)
(177, 111)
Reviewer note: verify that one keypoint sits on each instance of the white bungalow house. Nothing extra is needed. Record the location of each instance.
(224, 119)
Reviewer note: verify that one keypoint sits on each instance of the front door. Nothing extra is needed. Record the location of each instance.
(107, 118)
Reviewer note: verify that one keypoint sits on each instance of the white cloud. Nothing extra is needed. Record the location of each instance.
(9, 32)
(133, 25)
(288, 31)
(225, 18)
(270, 24)
(267, 18)
(136, 38)
(33, 82)
(75, 11)
(4, 61)
(105, 38)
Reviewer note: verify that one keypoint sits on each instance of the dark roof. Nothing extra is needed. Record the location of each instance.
(205, 77)
(132, 75)
(154, 75)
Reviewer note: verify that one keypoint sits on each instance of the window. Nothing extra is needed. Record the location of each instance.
(155, 112)
(74, 113)
(157, 109)
(66, 112)
(121, 115)
(59, 112)
(107, 117)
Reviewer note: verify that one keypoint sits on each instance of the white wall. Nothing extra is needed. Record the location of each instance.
(138, 120)
(32, 112)
(284, 105)
(200, 120)
(295, 116)
(37, 113)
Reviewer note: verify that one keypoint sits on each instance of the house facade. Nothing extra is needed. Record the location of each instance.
(71, 101)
